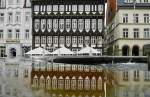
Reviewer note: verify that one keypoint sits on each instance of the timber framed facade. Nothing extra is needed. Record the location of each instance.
(70, 23)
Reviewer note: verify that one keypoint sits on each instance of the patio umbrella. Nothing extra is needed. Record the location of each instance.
(62, 51)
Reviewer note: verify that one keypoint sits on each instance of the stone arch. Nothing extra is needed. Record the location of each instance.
(135, 50)
(125, 50)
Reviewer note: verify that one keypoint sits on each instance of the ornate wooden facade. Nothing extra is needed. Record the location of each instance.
(70, 23)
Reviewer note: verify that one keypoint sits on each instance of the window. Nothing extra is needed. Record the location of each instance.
(55, 39)
(87, 8)
(43, 24)
(125, 33)
(81, 8)
(43, 40)
(125, 18)
(93, 40)
(80, 24)
(87, 25)
(94, 7)
(94, 25)
(100, 25)
(146, 33)
(74, 8)
(68, 39)
(68, 8)
(37, 40)
(49, 40)
(10, 17)
(135, 18)
(49, 24)
(100, 8)
(9, 34)
(18, 17)
(68, 24)
(43, 8)
(61, 25)
(61, 8)
(49, 8)
(27, 34)
(80, 40)
(146, 18)
(36, 8)
(1, 18)
(136, 33)
(55, 8)
(2, 3)
(1, 34)
(74, 40)
(36, 24)
(27, 17)
(17, 33)
(55, 24)
(74, 24)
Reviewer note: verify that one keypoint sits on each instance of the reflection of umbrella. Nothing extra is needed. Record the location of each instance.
(38, 51)
(63, 51)
(88, 50)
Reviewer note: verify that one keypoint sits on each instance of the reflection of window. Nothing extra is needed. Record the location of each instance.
(125, 75)
(136, 75)
(74, 39)
(87, 25)
(37, 40)
(147, 75)
(68, 39)
(43, 40)
(61, 8)
(27, 34)
(2, 3)
(55, 8)
(18, 17)
(55, 24)
(87, 8)
(55, 39)
(94, 25)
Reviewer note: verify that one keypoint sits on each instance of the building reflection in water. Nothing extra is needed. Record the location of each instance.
(133, 81)
(13, 78)
(71, 80)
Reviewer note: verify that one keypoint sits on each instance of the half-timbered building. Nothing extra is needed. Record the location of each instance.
(70, 23)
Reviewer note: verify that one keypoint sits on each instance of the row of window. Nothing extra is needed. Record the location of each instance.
(136, 76)
(137, 1)
(146, 18)
(67, 39)
(68, 8)
(68, 24)
(16, 17)
(136, 33)
(17, 34)
(67, 83)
